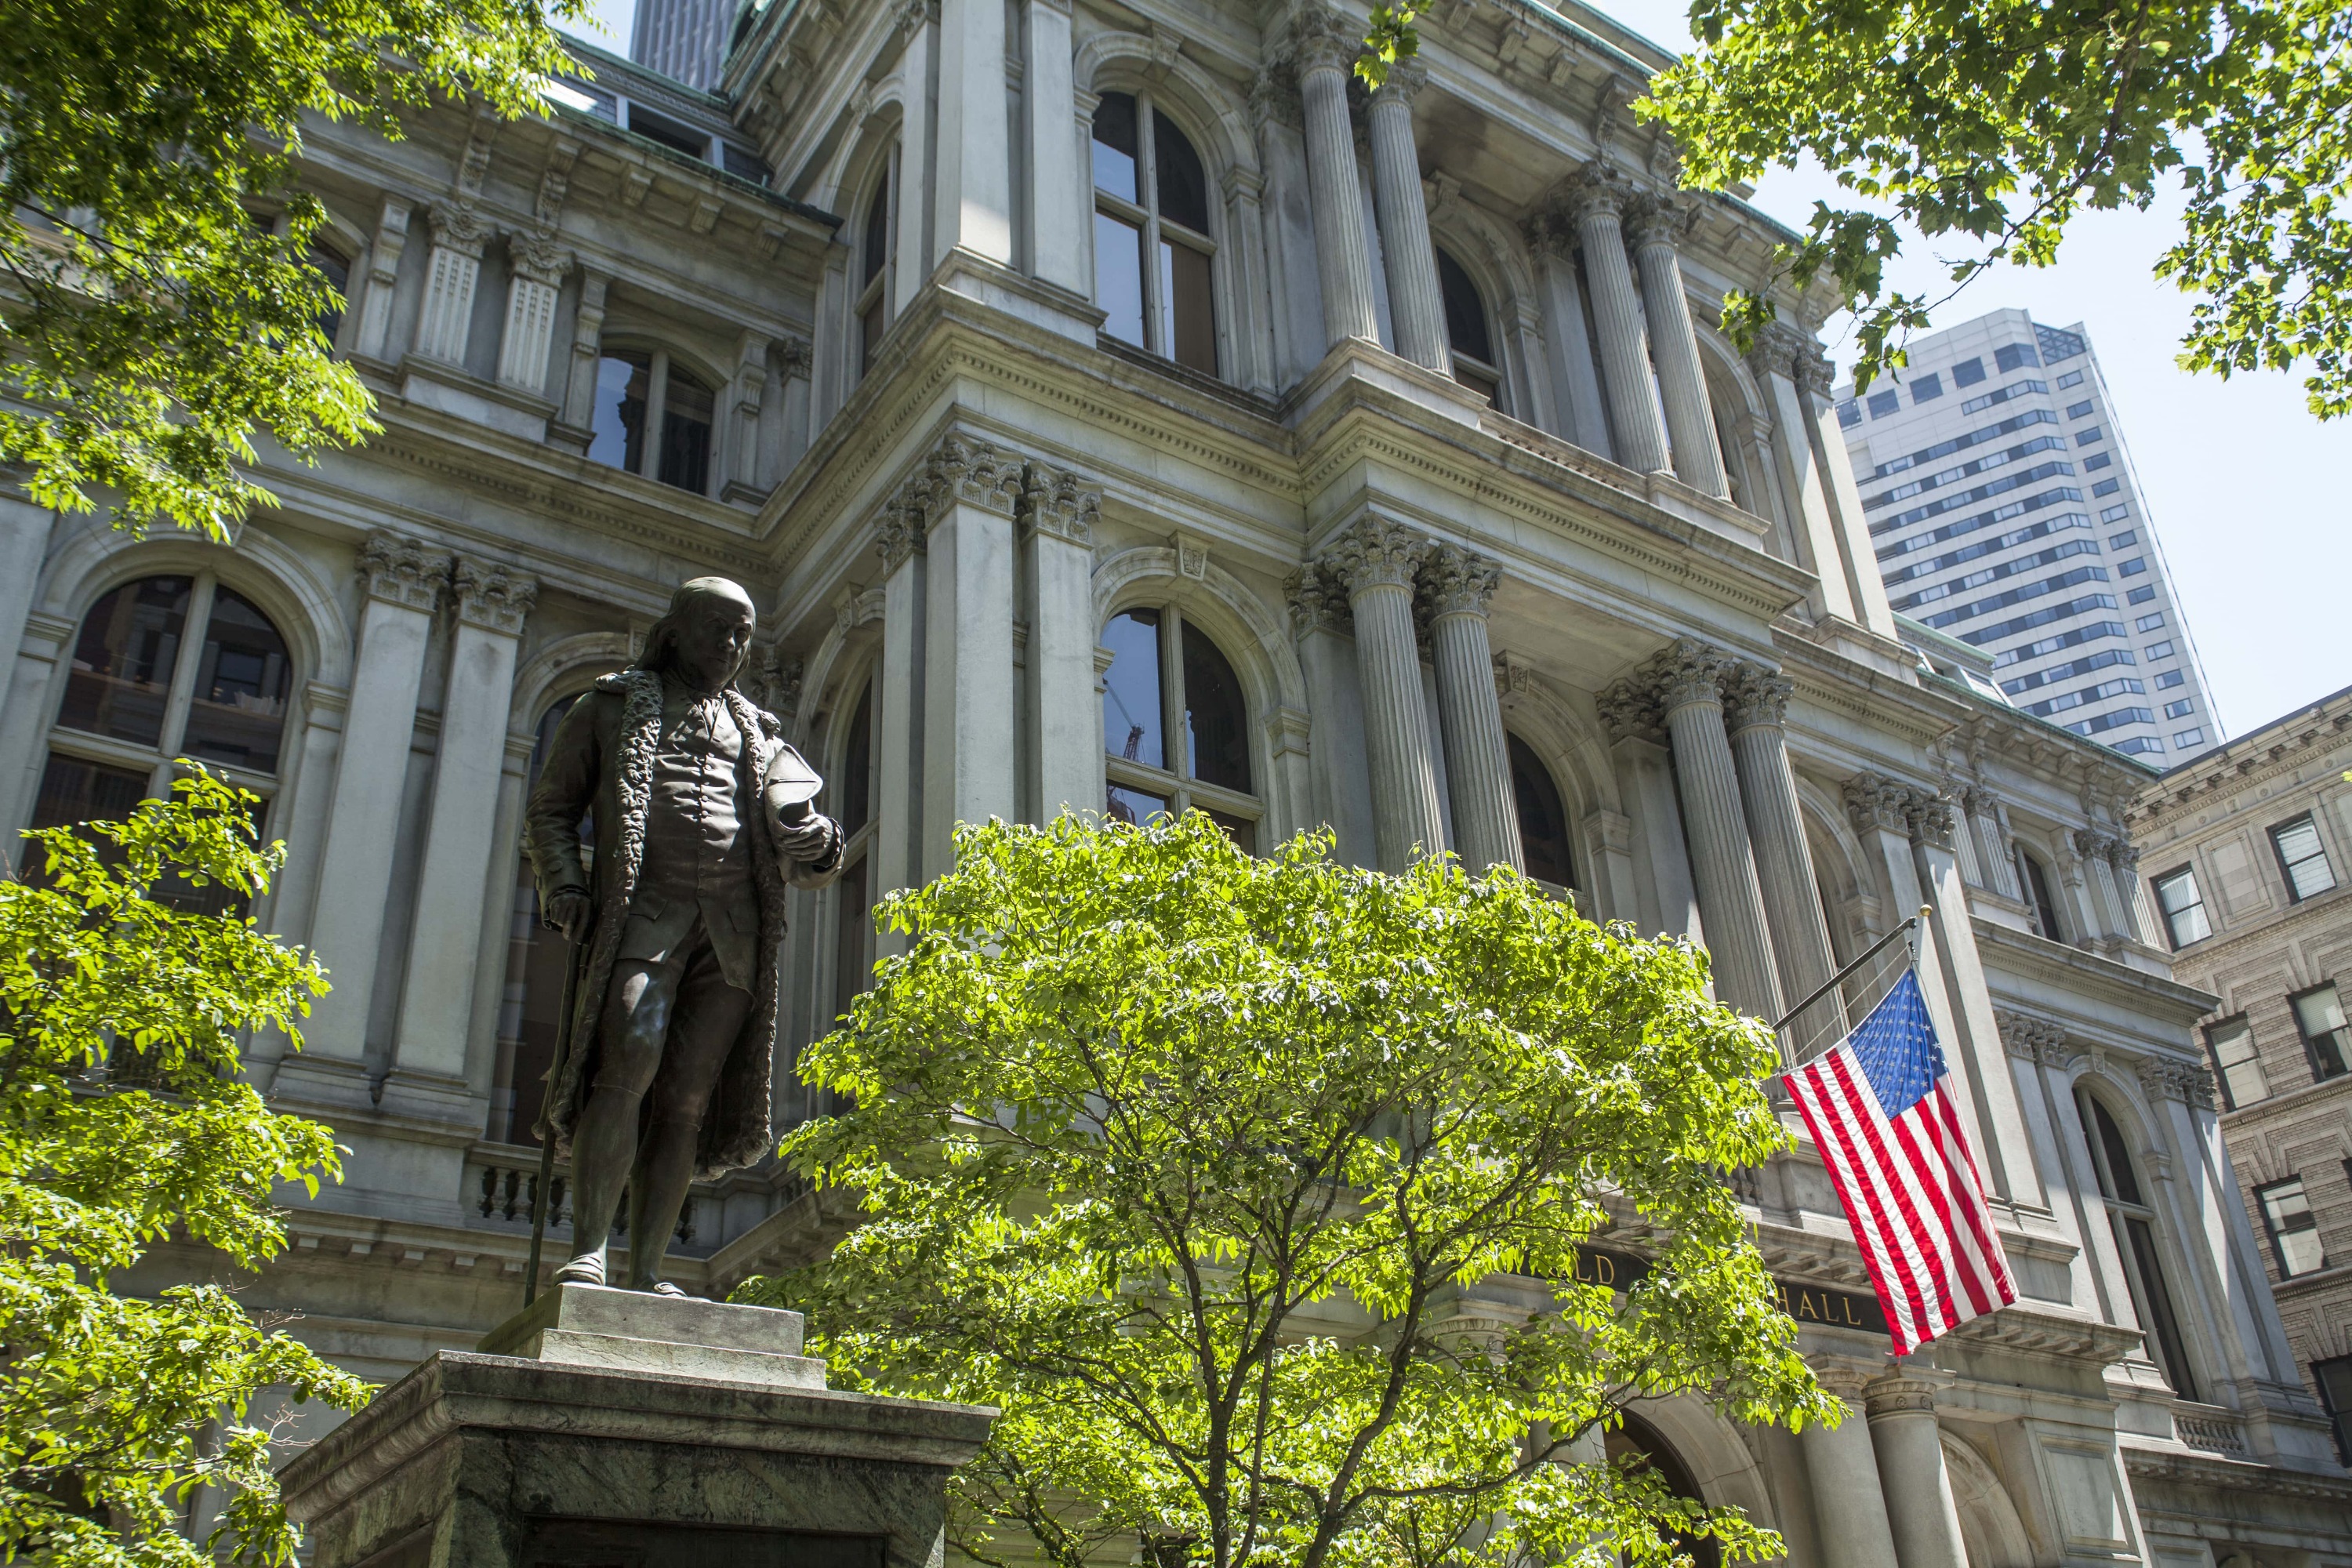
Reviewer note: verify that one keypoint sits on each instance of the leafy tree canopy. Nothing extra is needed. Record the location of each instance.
(1252, 1191)
(123, 1122)
(1992, 122)
(150, 319)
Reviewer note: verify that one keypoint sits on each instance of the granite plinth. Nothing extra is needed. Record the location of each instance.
(500, 1461)
(679, 1336)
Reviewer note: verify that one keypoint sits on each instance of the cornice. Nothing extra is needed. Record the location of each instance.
(2219, 779)
(2089, 977)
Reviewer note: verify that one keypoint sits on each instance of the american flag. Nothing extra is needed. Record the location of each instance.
(1881, 1110)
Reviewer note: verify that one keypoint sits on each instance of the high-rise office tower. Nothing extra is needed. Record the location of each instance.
(683, 39)
(2004, 511)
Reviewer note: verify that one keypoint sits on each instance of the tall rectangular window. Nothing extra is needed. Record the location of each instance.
(2237, 1061)
(2183, 907)
(2301, 858)
(2295, 1230)
(2319, 1013)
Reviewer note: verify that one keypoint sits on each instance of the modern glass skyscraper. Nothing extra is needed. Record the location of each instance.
(2004, 511)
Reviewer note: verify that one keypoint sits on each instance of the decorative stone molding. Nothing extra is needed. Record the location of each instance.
(1596, 188)
(491, 597)
(1514, 676)
(1930, 817)
(401, 571)
(1317, 601)
(1320, 40)
(1403, 83)
(458, 227)
(1659, 220)
(969, 472)
(2162, 1078)
(779, 684)
(1629, 710)
(539, 257)
(1191, 556)
(1815, 374)
(1754, 694)
(1375, 552)
(1874, 802)
(1685, 671)
(1778, 350)
(1459, 581)
(1899, 1397)
(899, 531)
(1059, 504)
(794, 358)
(2033, 1039)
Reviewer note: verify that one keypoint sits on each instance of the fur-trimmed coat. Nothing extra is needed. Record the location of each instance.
(601, 761)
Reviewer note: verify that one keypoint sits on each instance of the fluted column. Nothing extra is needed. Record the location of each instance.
(403, 579)
(2131, 892)
(1849, 1505)
(1994, 855)
(1654, 226)
(536, 269)
(445, 321)
(1343, 258)
(468, 768)
(1596, 198)
(1804, 487)
(1415, 305)
(1686, 678)
(1578, 415)
(1374, 560)
(1756, 705)
(1864, 587)
(1922, 1516)
(383, 278)
(1469, 711)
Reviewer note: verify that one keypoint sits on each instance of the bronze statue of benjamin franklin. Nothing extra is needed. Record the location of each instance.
(701, 819)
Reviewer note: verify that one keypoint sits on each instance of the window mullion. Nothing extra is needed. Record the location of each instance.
(1174, 741)
(185, 671)
(657, 405)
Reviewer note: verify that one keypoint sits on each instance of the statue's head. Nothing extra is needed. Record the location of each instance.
(705, 636)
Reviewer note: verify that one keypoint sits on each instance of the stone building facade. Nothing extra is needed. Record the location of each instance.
(2250, 855)
(1113, 405)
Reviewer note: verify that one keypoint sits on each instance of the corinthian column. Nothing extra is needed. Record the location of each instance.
(1327, 48)
(1415, 305)
(1756, 705)
(1687, 677)
(1374, 560)
(1469, 713)
(1654, 226)
(1596, 197)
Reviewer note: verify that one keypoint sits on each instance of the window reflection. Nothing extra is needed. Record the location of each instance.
(1543, 818)
(1131, 694)
(1154, 272)
(123, 661)
(238, 710)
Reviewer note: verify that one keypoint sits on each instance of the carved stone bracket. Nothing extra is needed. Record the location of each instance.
(779, 684)
(491, 597)
(403, 571)
(458, 227)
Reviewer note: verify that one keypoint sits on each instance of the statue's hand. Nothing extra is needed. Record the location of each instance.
(569, 913)
(809, 840)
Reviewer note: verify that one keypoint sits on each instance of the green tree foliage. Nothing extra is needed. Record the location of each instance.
(150, 318)
(1995, 122)
(123, 1122)
(1252, 1191)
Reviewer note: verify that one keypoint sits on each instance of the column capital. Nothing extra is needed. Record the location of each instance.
(1900, 1396)
(967, 470)
(403, 571)
(1685, 671)
(1059, 504)
(1930, 816)
(537, 254)
(491, 596)
(1375, 552)
(2031, 1037)
(1595, 190)
(1755, 694)
(1317, 601)
(1780, 349)
(1459, 581)
(898, 529)
(458, 227)
(1845, 1381)
(2189, 1082)
(794, 357)
(1875, 801)
(1815, 374)
(1629, 709)
(1659, 220)
(1403, 83)
(1321, 40)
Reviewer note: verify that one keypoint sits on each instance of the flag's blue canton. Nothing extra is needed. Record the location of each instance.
(1896, 1049)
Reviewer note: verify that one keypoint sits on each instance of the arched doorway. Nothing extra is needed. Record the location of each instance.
(1639, 1441)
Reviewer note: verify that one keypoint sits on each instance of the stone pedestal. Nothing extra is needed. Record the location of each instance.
(603, 1427)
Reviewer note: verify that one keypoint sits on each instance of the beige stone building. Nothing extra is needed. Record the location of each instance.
(1108, 403)
(2249, 856)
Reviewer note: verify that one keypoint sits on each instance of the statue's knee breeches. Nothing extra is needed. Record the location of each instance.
(639, 1004)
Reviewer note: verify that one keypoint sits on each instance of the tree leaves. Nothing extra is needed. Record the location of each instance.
(1253, 1189)
(152, 315)
(1996, 121)
(124, 1122)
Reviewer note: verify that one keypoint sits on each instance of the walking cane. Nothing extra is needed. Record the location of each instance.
(547, 1140)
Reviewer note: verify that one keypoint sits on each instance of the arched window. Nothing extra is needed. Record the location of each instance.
(164, 667)
(530, 1006)
(1476, 364)
(2134, 1223)
(1638, 1441)
(2033, 876)
(851, 801)
(642, 394)
(1175, 725)
(1543, 818)
(1154, 257)
(876, 268)
(336, 267)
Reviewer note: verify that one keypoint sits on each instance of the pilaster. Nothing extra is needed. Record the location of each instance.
(971, 490)
(1057, 515)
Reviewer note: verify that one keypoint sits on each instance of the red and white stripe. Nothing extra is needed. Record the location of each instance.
(1911, 1189)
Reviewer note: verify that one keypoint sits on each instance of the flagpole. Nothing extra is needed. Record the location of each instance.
(1840, 978)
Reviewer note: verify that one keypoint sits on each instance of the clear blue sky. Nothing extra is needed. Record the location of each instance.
(2251, 496)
